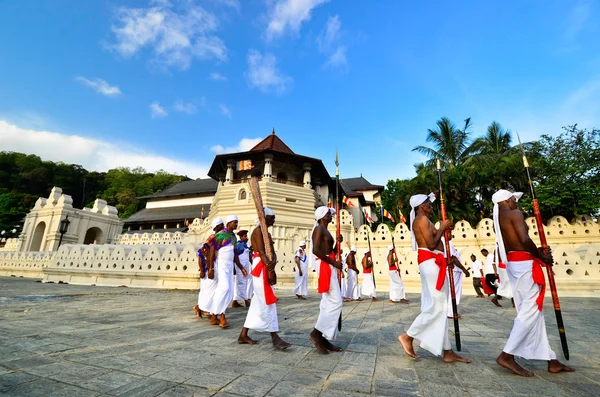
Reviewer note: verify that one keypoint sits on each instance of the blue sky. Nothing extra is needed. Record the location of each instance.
(168, 84)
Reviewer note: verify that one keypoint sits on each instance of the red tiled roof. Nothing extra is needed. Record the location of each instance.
(272, 142)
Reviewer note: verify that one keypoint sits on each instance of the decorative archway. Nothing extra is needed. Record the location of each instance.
(94, 235)
(38, 236)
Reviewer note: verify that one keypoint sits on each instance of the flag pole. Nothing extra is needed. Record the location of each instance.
(449, 260)
(338, 231)
(540, 226)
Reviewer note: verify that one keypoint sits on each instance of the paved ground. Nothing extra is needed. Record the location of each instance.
(66, 340)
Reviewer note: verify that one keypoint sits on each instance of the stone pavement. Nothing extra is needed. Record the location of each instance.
(67, 340)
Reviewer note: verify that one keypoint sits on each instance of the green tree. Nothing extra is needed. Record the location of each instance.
(451, 145)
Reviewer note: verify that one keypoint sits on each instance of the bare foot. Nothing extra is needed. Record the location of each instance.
(279, 343)
(407, 343)
(331, 347)
(391, 301)
(302, 298)
(451, 357)
(373, 299)
(247, 302)
(555, 366)
(480, 296)
(246, 340)
(457, 316)
(198, 311)
(223, 322)
(317, 342)
(508, 361)
(403, 301)
(213, 320)
(235, 304)
(495, 301)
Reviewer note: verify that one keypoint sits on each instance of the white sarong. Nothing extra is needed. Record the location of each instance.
(458, 277)
(224, 278)
(301, 284)
(368, 286)
(261, 317)
(528, 338)
(352, 287)
(207, 292)
(505, 288)
(241, 282)
(396, 286)
(330, 307)
(431, 325)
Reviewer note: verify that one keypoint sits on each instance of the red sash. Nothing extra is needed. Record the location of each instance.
(502, 265)
(325, 274)
(440, 260)
(536, 272)
(270, 297)
(393, 268)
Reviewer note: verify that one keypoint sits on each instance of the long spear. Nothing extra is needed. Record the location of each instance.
(338, 226)
(540, 227)
(371, 256)
(449, 260)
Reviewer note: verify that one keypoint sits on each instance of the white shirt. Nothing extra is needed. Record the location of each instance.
(489, 260)
(476, 267)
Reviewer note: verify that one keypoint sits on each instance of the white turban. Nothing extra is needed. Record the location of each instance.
(353, 248)
(416, 201)
(498, 197)
(367, 251)
(302, 243)
(268, 211)
(319, 214)
(390, 247)
(230, 218)
(216, 222)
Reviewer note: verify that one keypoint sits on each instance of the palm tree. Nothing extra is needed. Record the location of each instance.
(451, 145)
(496, 142)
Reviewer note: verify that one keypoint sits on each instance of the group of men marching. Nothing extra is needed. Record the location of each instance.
(519, 267)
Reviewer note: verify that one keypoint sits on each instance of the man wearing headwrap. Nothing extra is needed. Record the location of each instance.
(524, 262)
(225, 244)
(431, 325)
(301, 273)
(458, 271)
(352, 287)
(326, 328)
(208, 283)
(241, 281)
(262, 315)
(396, 284)
(368, 285)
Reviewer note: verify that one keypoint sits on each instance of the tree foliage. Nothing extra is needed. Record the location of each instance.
(24, 178)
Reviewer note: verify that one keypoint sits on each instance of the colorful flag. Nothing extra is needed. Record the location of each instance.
(187, 223)
(367, 216)
(386, 214)
(347, 201)
(329, 202)
(402, 218)
(202, 213)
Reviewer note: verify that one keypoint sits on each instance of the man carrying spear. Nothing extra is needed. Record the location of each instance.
(431, 325)
(323, 243)
(524, 262)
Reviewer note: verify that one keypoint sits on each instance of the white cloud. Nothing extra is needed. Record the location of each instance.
(244, 145)
(175, 34)
(288, 15)
(328, 42)
(263, 73)
(92, 154)
(157, 110)
(184, 107)
(218, 77)
(225, 111)
(101, 86)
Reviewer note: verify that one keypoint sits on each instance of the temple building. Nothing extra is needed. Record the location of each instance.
(292, 184)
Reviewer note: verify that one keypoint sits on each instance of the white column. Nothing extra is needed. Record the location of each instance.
(268, 171)
(307, 168)
(229, 175)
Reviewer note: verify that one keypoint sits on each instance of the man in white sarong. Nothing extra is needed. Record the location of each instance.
(225, 244)
(397, 294)
(524, 262)
(457, 272)
(301, 273)
(208, 283)
(262, 315)
(352, 287)
(326, 328)
(202, 255)
(241, 281)
(368, 285)
(431, 325)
